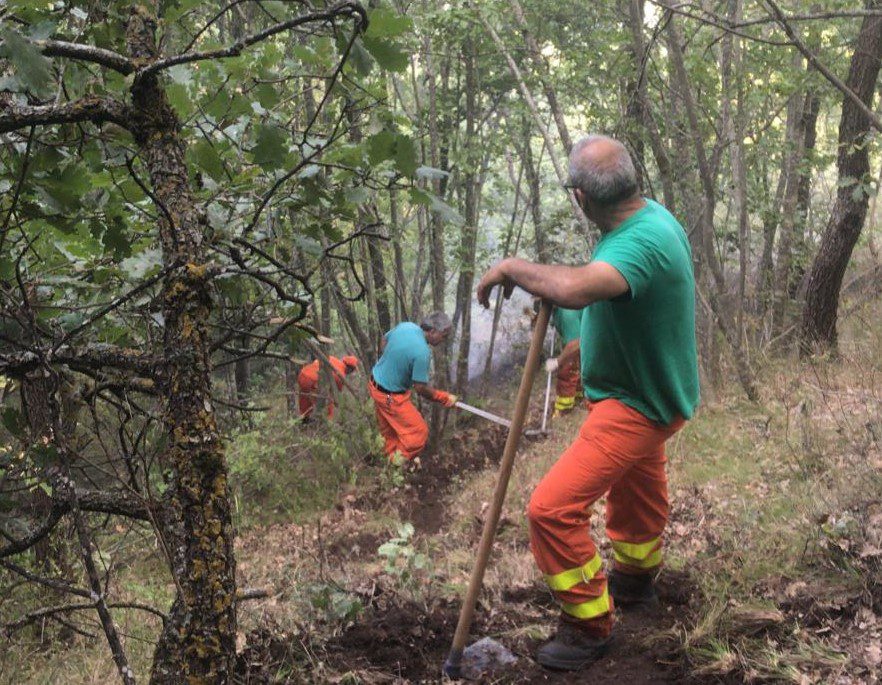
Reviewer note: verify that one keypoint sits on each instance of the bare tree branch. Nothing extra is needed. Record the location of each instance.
(347, 8)
(95, 357)
(115, 502)
(86, 53)
(25, 543)
(94, 109)
(874, 120)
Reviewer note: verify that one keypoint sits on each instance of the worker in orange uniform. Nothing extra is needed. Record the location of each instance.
(640, 373)
(568, 388)
(308, 382)
(404, 366)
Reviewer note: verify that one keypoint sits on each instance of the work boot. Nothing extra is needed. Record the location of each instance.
(632, 591)
(572, 648)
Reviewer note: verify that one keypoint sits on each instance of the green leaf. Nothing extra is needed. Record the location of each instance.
(7, 268)
(13, 421)
(207, 159)
(179, 98)
(381, 146)
(388, 55)
(388, 549)
(267, 96)
(33, 71)
(361, 58)
(65, 187)
(115, 239)
(357, 196)
(384, 23)
(405, 155)
(271, 148)
(420, 197)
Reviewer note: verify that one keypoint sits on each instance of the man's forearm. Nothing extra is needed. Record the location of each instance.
(424, 390)
(563, 286)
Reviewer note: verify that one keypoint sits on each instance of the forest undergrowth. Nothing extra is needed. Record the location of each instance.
(774, 548)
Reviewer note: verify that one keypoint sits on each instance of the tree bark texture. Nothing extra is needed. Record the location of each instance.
(198, 642)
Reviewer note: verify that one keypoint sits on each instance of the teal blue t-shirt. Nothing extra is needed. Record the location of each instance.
(640, 348)
(405, 360)
(568, 323)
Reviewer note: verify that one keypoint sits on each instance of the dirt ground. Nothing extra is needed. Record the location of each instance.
(793, 628)
(398, 640)
(411, 644)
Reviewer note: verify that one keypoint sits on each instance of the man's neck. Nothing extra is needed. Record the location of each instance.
(613, 217)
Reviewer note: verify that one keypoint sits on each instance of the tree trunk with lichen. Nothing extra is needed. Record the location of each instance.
(198, 642)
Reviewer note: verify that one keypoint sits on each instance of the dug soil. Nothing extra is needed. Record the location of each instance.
(398, 641)
(408, 643)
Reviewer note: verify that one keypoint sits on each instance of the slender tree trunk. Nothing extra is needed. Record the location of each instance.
(810, 112)
(438, 150)
(242, 372)
(818, 331)
(780, 287)
(543, 72)
(534, 200)
(397, 235)
(469, 234)
(735, 134)
(642, 106)
(366, 348)
(516, 180)
(706, 172)
(518, 76)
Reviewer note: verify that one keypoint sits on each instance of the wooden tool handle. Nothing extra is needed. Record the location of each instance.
(466, 614)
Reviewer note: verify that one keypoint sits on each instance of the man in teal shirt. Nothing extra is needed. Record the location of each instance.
(405, 358)
(640, 372)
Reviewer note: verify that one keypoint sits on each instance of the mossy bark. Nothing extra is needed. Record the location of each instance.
(197, 643)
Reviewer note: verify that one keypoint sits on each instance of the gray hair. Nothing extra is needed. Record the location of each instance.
(604, 181)
(436, 321)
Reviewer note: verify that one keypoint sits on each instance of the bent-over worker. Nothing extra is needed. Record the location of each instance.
(308, 382)
(404, 365)
(640, 374)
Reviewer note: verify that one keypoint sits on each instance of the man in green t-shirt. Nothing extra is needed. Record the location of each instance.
(640, 373)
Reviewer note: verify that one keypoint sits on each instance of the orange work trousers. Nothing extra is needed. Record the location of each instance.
(401, 424)
(619, 453)
(569, 384)
(307, 386)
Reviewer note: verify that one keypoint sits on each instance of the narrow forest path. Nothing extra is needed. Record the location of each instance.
(404, 636)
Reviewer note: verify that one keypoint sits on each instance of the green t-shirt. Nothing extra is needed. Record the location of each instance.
(568, 323)
(640, 348)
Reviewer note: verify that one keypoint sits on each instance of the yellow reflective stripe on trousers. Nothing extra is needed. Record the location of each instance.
(564, 403)
(590, 609)
(641, 555)
(567, 579)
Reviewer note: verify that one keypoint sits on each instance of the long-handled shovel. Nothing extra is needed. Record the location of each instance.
(453, 666)
(548, 386)
(495, 419)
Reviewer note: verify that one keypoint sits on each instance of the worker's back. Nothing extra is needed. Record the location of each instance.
(640, 348)
(405, 359)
